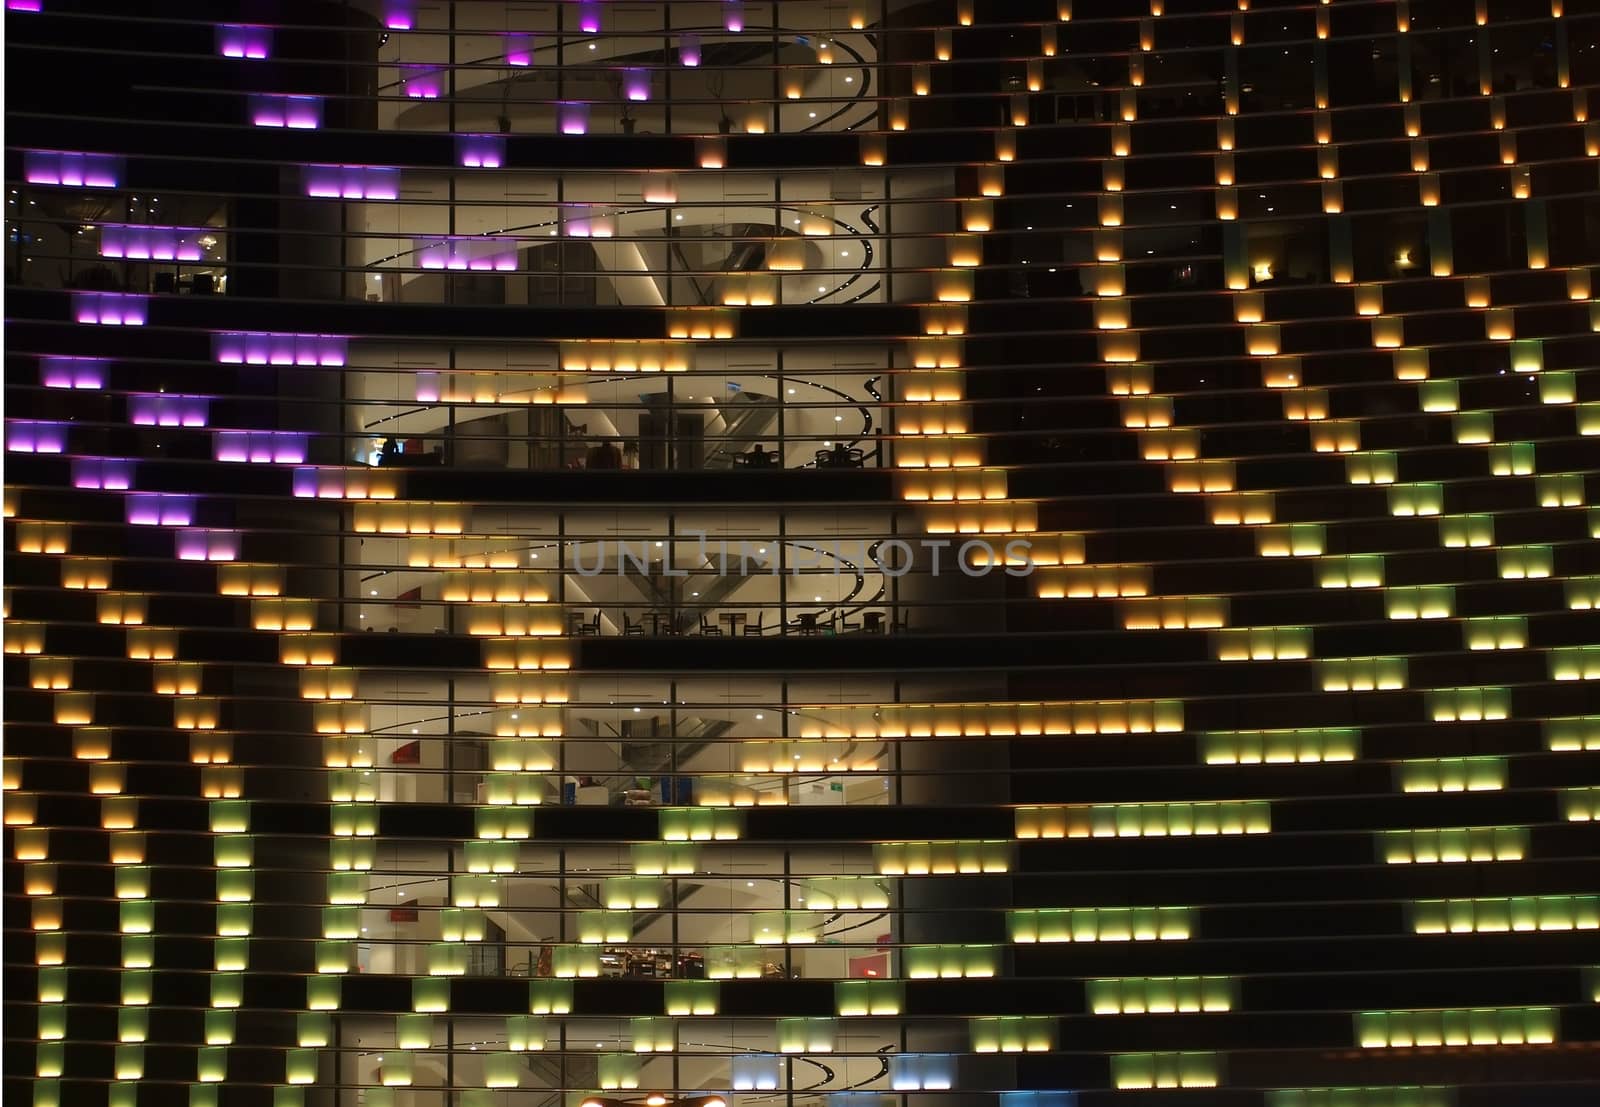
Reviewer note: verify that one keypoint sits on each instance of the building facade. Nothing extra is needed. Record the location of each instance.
(833, 553)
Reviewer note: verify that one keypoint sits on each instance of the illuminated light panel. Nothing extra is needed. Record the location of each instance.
(140, 242)
(251, 41)
(1145, 820)
(519, 50)
(951, 962)
(856, 998)
(941, 858)
(351, 182)
(399, 15)
(33, 436)
(1453, 846)
(153, 409)
(74, 372)
(1013, 1034)
(1291, 540)
(110, 309)
(165, 509)
(1280, 747)
(1350, 571)
(52, 167)
(422, 82)
(270, 348)
(331, 483)
(114, 474)
(934, 720)
(1166, 1070)
(1263, 644)
(271, 109)
(1581, 805)
(1582, 593)
(1161, 995)
(274, 447)
(1100, 924)
(1574, 662)
(1479, 1026)
(1455, 705)
(467, 252)
(480, 151)
(1088, 581)
(1452, 774)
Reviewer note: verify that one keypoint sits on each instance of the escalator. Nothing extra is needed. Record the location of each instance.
(582, 1071)
(642, 752)
(749, 418)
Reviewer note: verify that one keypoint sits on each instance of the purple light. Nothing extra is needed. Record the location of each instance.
(35, 436)
(167, 409)
(268, 348)
(328, 483)
(282, 447)
(589, 17)
(481, 151)
(110, 309)
(244, 40)
(733, 15)
(399, 15)
(467, 252)
(519, 50)
(574, 117)
(24, 5)
(58, 167)
(598, 226)
(272, 109)
(636, 84)
(114, 474)
(427, 387)
(160, 509)
(139, 242)
(72, 372)
(206, 544)
(351, 182)
(421, 82)
(689, 49)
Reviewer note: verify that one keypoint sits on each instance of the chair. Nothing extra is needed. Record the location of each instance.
(753, 630)
(902, 621)
(844, 625)
(631, 629)
(709, 629)
(591, 629)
